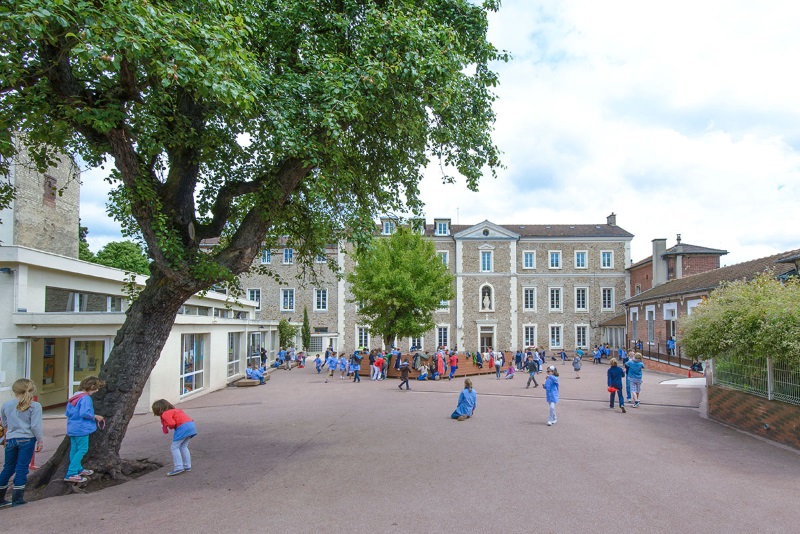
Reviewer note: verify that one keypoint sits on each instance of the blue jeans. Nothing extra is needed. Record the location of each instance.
(453, 371)
(181, 458)
(78, 446)
(619, 394)
(497, 370)
(19, 452)
(627, 387)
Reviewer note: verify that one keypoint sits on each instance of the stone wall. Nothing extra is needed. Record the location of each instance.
(47, 207)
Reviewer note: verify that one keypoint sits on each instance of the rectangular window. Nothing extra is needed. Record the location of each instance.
(320, 300)
(255, 295)
(192, 363)
(321, 258)
(363, 337)
(114, 304)
(651, 326)
(444, 256)
(266, 256)
(580, 298)
(606, 259)
(555, 259)
(555, 299)
(529, 299)
(287, 299)
(529, 260)
(233, 354)
(634, 324)
(580, 259)
(555, 336)
(529, 336)
(444, 304)
(638, 289)
(254, 348)
(441, 228)
(415, 343)
(388, 227)
(288, 256)
(581, 336)
(442, 336)
(486, 261)
(608, 298)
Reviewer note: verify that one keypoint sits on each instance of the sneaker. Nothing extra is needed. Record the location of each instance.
(635, 404)
(175, 472)
(549, 423)
(623, 409)
(86, 473)
(75, 478)
(188, 469)
(462, 417)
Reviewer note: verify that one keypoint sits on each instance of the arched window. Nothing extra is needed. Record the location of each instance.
(487, 298)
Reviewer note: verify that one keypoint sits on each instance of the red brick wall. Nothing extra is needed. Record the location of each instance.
(692, 264)
(751, 414)
(643, 276)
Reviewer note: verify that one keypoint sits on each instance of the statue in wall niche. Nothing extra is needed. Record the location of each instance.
(487, 299)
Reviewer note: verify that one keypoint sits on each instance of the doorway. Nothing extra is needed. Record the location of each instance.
(486, 337)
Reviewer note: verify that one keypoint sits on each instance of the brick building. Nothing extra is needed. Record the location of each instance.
(679, 261)
(654, 315)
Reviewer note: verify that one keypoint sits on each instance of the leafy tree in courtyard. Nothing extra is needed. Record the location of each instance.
(742, 320)
(125, 255)
(286, 333)
(305, 333)
(84, 253)
(244, 121)
(399, 282)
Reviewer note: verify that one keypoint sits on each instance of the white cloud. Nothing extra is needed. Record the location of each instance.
(680, 117)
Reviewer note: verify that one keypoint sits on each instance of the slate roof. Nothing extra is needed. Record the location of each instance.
(686, 249)
(683, 249)
(707, 281)
(546, 230)
(619, 320)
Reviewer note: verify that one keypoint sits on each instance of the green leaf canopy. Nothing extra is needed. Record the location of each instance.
(399, 282)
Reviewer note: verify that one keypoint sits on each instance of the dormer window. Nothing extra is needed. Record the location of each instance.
(442, 227)
(388, 228)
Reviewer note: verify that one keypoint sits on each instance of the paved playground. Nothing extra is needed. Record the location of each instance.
(300, 455)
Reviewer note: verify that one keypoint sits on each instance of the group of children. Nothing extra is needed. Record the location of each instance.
(21, 420)
(467, 399)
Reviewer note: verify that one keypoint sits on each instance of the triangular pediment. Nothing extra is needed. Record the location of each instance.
(487, 230)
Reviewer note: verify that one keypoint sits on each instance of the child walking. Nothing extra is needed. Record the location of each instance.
(22, 420)
(404, 370)
(576, 364)
(172, 417)
(81, 422)
(318, 364)
(551, 387)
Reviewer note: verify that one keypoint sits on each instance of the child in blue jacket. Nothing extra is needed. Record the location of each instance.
(551, 387)
(81, 422)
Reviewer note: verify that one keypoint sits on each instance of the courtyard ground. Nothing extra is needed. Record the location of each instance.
(300, 455)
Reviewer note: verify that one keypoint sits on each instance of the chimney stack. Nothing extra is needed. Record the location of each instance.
(612, 219)
(659, 263)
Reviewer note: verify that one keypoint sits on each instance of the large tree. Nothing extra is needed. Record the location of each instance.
(399, 282)
(244, 121)
(125, 255)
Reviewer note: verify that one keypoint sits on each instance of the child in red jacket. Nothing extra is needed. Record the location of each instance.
(184, 428)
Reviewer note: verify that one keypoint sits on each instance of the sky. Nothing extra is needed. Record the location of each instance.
(680, 117)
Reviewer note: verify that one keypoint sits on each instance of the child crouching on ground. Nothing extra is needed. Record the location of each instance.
(172, 417)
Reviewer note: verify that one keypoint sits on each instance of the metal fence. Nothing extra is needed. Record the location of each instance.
(761, 377)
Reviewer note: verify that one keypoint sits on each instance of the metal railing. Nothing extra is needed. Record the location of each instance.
(761, 377)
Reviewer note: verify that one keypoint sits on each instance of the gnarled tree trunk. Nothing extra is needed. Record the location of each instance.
(137, 347)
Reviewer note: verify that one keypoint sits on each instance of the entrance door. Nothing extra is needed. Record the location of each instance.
(87, 356)
(486, 338)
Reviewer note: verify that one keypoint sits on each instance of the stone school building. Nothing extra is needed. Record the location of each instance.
(516, 286)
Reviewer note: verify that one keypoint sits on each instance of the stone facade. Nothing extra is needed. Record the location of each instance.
(504, 284)
(45, 213)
